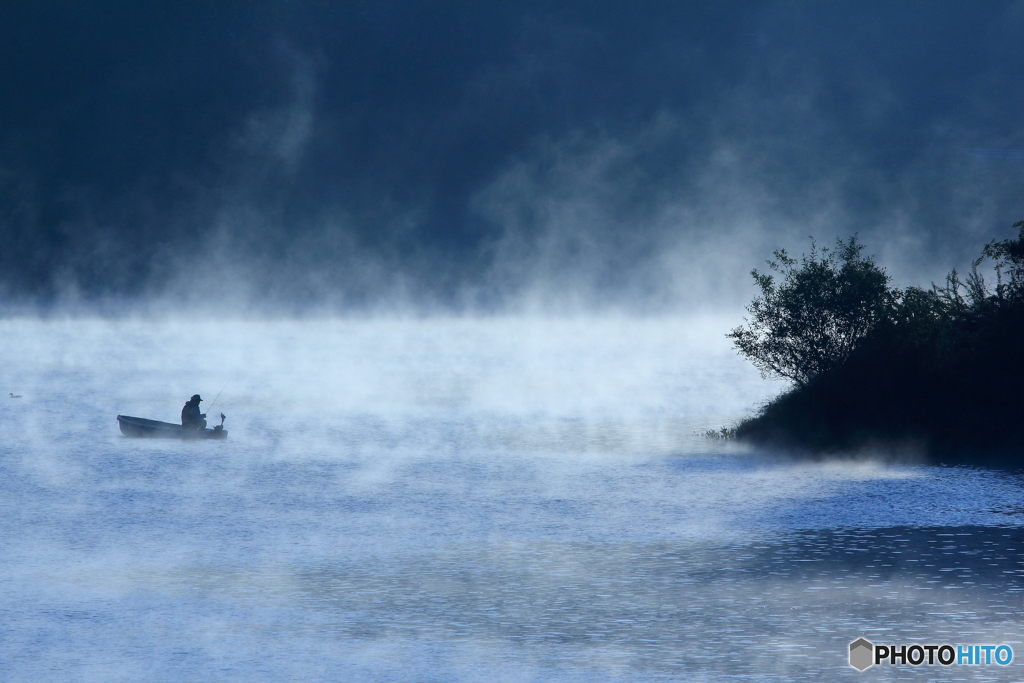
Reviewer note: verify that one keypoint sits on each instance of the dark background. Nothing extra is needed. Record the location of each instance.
(485, 156)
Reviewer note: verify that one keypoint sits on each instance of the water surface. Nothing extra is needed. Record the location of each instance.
(462, 500)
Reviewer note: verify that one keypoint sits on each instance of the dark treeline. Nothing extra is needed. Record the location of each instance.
(938, 370)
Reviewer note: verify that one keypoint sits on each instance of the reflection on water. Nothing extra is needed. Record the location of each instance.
(784, 607)
(392, 505)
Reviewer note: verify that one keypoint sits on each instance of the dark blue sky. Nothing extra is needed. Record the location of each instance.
(479, 155)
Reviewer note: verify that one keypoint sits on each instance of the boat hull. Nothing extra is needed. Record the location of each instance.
(141, 428)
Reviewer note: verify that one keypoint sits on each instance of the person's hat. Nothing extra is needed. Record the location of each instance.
(196, 398)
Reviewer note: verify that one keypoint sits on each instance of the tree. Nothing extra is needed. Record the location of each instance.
(1009, 262)
(814, 317)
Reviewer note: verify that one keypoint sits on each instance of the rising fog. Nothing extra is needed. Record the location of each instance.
(285, 157)
(458, 275)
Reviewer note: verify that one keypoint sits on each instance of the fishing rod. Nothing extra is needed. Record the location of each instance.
(218, 396)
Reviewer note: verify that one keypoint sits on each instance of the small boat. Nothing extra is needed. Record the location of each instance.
(140, 427)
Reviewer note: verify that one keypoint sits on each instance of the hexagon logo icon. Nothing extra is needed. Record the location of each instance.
(862, 654)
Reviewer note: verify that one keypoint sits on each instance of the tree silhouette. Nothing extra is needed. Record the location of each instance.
(813, 318)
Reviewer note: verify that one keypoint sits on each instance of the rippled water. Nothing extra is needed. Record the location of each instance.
(463, 500)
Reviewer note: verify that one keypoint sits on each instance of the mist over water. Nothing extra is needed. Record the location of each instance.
(302, 156)
(460, 499)
(463, 272)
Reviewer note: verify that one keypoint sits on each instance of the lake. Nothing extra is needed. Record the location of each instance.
(464, 499)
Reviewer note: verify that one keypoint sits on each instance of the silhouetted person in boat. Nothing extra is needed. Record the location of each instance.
(190, 415)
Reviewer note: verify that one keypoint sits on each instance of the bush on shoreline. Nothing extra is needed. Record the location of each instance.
(941, 369)
(814, 319)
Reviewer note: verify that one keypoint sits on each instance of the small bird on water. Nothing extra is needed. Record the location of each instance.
(13, 396)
